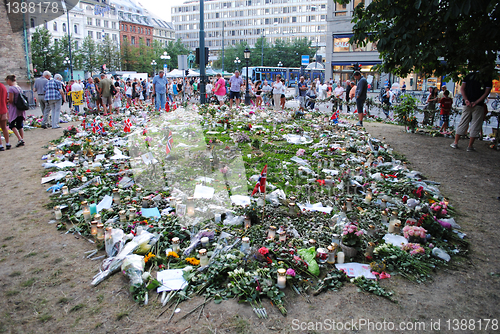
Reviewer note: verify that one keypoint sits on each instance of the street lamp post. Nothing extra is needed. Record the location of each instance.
(67, 63)
(165, 58)
(237, 61)
(262, 53)
(63, 3)
(246, 53)
(153, 64)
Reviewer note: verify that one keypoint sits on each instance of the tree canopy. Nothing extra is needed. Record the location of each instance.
(444, 37)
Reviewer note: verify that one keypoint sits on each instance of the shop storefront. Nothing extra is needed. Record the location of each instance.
(345, 72)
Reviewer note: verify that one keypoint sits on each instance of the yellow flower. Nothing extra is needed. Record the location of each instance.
(173, 254)
(193, 261)
(148, 257)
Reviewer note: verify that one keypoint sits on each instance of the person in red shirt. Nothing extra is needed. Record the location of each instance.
(446, 104)
(3, 117)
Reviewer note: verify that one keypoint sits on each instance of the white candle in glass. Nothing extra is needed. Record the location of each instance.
(204, 241)
(57, 212)
(203, 257)
(281, 278)
(340, 257)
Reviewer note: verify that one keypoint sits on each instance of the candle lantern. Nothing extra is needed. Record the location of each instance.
(392, 226)
(271, 233)
(322, 255)
(81, 194)
(131, 213)
(85, 205)
(291, 208)
(57, 212)
(368, 197)
(369, 249)
(65, 191)
(340, 257)
(203, 257)
(245, 244)
(293, 199)
(332, 163)
(371, 230)
(384, 203)
(328, 181)
(145, 202)
(397, 227)
(281, 278)
(97, 218)
(116, 196)
(312, 243)
(384, 217)
(247, 222)
(175, 244)
(204, 242)
(282, 237)
(348, 204)
(331, 255)
(93, 228)
(190, 206)
(100, 231)
(123, 215)
(107, 233)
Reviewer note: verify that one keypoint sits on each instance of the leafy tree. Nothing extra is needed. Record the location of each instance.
(174, 49)
(128, 56)
(144, 56)
(230, 54)
(263, 51)
(42, 51)
(89, 53)
(61, 51)
(445, 37)
(109, 54)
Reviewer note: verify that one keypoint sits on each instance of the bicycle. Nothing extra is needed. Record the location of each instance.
(496, 103)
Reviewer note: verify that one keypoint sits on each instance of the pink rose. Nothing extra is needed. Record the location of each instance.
(290, 272)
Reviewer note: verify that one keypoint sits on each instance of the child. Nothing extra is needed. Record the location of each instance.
(446, 103)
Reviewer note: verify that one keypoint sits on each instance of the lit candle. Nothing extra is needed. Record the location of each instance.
(65, 190)
(175, 244)
(247, 222)
(331, 255)
(86, 214)
(368, 197)
(123, 215)
(145, 202)
(271, 233)
(281, 278)
(369, 249)
(204, 242)
(348, 204)
(116, 196)
(384, 217)
(291, 208)
(57, 212)
(100, 231)
(93, 228)
(397, 227)
(282, 237)
(203, 257)
(384, 203)
(131, 213)
(84, 205)
(340, 257)
(190, 206)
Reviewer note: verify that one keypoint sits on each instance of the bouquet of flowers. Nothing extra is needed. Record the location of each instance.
(414, 232)
(351, 235)
(439, 208)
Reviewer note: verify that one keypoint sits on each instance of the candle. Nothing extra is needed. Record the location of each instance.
(139, 229)
(291, 208)
(282, 237)
(93, 209)
(81, 194)
(247, 222)
(145, 202)
(332, 163)
(84, 179)
(392, 225)
(175, 244)
(384, 217)
(371, 230)
(57, 212)
(131, 213)
(368, 197)
(340, 257)
(271, 233)
(123, 215)
(245, 244)
(348, 204)
(93, 228)
(190, 206)
(203, 257)
(322, 255)
(84, 205)
(328, 181)
(369, 249)
(397, 227)
(116, 196)
(331, 255)
(65, 190)
(384, 203)
(100, 231)
(281, 278)
(204, 242)
(312, 242)
(86, 214)
(97, 218)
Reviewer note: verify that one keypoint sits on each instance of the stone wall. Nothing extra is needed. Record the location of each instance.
(12, 54)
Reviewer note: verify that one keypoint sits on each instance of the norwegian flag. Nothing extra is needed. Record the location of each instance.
(167, 106)
(100, 128)
(94, 126)
(83, 124)
(128, 125)
(261, 183)
(111, 123)
(335, 117)
(170, 142)
(174, 106)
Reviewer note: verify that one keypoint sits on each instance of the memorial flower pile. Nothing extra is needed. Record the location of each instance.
(173, 191)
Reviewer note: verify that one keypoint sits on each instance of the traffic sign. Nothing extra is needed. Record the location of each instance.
(304, 60)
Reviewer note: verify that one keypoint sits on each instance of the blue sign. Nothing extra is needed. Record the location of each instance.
(165, 68)
(304, 60)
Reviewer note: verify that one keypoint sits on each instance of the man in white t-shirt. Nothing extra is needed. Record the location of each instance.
(339, 94)
(277, 91)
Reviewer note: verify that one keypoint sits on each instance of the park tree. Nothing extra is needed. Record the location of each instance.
(61, 51)
(450, 37)
(89, 54)
(128, 56)
(42, 51)
(174, 49)
(109, 54)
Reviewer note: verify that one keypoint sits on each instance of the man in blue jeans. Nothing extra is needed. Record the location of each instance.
(361, 90)
(160, 90)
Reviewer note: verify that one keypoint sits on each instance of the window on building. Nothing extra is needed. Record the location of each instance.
(132, 41)
(76, 45)
(98, 22)
(32, 22)
(113, 37)
(113, 25)
(106, 24)
(148, 42)
(357, 2)
(98, 35)
(294, 19)
(91, 34)
(89, 21)
(75, 29)
(64, 27)
(340, 9)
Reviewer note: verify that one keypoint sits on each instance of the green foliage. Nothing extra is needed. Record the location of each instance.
(89, 53)
(419, 35)
(372, 286)
(42, 50)
(109, 54)
(405, 111)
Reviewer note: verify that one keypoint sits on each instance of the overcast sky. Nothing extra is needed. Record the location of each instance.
(161, 8)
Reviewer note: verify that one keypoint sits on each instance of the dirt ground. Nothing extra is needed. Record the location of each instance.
(45, 278)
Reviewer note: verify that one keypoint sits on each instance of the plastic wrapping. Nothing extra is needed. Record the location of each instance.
(114, 242)
(133, 267)
(309, 255)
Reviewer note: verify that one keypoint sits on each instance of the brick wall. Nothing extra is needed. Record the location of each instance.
(129, 30)
(13, 56)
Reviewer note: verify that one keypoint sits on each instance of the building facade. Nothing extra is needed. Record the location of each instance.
(101, 20)
(163, 31)
(230, 22)
(135, 25)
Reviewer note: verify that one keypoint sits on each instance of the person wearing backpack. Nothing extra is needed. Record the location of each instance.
(54, 96)
(16, 116)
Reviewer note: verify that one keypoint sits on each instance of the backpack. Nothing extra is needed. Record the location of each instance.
(113, 90)
(22, 101)
(385, 99)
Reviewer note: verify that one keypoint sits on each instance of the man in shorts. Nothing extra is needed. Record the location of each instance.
(236, 83)
(360, 94)
(302, 85)
(474, 91)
